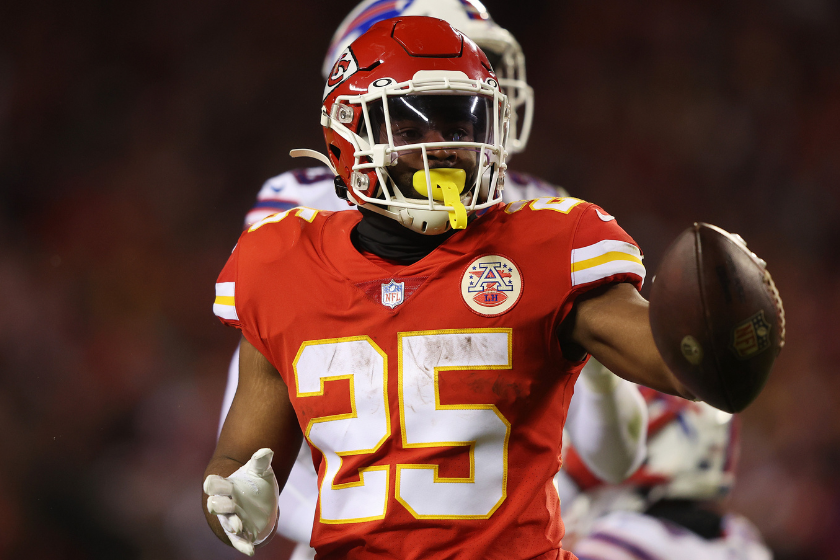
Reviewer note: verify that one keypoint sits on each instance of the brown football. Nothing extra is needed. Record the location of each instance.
(716, 316)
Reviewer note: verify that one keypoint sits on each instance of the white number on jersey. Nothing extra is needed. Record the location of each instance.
(425, 423)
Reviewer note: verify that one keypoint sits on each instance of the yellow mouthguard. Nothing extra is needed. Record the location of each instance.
(447, 185)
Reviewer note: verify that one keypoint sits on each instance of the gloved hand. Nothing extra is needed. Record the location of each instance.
(246, 501)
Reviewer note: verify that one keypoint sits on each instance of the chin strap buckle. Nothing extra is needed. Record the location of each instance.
(340, 187)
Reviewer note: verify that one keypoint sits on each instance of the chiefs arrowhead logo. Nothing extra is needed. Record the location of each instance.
(343, 68)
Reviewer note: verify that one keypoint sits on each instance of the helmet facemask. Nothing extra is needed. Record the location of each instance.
(429, 151)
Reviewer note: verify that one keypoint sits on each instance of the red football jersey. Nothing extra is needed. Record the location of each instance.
(433, 397)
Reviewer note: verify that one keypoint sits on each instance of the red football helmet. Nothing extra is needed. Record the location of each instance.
(469, 16)
(416, 125)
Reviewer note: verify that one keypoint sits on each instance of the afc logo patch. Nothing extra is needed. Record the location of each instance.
(491, 285)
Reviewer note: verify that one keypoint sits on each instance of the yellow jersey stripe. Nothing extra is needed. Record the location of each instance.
(605, 258)
(224, 300)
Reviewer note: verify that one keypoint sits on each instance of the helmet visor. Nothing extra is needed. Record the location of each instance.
(409, 120)
(438, 130)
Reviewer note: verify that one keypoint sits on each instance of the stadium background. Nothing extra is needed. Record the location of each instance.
(134, 136)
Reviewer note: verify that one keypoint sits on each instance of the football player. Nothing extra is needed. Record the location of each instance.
(607, 415)
(606, 418)
(670, 508)
(427, 345)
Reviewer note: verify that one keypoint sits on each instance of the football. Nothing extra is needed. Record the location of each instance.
(716, 316)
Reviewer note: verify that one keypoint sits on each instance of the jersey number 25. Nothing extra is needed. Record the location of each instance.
(424, 422)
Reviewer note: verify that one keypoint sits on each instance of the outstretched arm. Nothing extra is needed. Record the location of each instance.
(261, 416)
(612, 324)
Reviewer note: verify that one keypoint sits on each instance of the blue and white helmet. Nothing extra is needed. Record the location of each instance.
(470, 17)
(692, 449)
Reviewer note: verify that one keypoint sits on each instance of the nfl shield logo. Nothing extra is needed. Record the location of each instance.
(392, 293)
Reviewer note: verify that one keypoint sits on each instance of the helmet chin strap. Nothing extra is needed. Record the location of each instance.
(427, 222)
(305, 152)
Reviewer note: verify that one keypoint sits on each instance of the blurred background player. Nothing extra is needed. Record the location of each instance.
(672, 507)
(607, 415)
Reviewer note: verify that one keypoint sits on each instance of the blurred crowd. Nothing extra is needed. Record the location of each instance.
(135, 135)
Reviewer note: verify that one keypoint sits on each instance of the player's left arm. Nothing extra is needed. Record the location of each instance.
(611, 323)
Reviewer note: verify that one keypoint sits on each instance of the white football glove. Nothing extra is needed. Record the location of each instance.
(246, 501)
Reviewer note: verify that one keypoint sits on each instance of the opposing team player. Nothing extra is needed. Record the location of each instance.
(607, 413)
(427, 345)
(670, 508)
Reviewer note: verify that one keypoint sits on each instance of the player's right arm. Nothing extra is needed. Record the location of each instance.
(261, 416)
(312, 187)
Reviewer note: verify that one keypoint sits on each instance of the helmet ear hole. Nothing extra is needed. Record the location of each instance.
(335, 151)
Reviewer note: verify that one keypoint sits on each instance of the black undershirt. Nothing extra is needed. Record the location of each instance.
(387, 238)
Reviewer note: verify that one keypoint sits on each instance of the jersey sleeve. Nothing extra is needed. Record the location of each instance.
(224, 306)
(603, 253)
(229, 287)
(243, 285)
